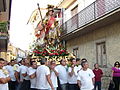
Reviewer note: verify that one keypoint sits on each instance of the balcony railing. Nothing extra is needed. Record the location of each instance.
(94, 11)
(3, 29)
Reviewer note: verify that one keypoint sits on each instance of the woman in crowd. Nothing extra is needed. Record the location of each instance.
(116, 75)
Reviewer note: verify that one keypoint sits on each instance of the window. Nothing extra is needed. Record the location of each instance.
(74, 11)
(3, 44)
(76, 52)
(101, 54)
(2, 5)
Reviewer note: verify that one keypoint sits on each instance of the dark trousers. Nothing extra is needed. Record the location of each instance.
(12, 85)
(73, 87)
(33, 89)
(116, 81)
(42, 89)
(64, 86)
(97, 84)
(25, 85)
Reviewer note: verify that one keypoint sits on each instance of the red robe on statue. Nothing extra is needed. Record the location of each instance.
(49, 24)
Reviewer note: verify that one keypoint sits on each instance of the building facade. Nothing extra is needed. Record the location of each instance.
(15, 53)
(21, 54)
(12, 52)
(5, 9)
(93, 32)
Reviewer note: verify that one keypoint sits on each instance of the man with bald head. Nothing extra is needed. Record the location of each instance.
(43, 76)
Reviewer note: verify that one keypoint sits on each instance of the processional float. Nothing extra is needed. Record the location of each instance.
(47, 31)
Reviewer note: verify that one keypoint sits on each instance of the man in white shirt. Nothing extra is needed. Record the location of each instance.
(86, 77)
(18, 74)
(6, 64)
(53, 74)
(43, 76)
(11, 69)
(72, 76)
(26, 80)
(4, 76)
(23, 71)
(62, 74)
(78, 63)
(32, 74)
(78, 66)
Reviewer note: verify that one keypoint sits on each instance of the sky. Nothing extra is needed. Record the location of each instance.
(20, 31)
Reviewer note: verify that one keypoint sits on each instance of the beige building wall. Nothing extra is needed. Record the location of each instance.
(4, 16)
(87, 47)
(12, 52)
(3, 55)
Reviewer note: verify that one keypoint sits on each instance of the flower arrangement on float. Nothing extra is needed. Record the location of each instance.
(48, 33)
(50, 52)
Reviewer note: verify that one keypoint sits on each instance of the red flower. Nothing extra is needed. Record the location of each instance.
(56, 54)
(50, 54)
(43, 54)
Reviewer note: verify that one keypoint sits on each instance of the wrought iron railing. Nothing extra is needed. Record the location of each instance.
(94, 11)
(3, 27)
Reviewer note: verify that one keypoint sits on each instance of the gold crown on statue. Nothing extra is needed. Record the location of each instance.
(50, 7)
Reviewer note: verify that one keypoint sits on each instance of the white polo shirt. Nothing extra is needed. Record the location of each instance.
(3, 86)
(24, 69)
(19, 70)
(41, 73)
(11, 72)
(5, 67)
(86, 79)
(54, 78)
(77, 69)
(73, 79)
(34, 80)
(62, 73)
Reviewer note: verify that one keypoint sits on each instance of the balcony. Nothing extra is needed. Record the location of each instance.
(3, 36)
(96, 15)
(3, 29)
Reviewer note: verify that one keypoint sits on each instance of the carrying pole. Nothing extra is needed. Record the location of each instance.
(40, 12)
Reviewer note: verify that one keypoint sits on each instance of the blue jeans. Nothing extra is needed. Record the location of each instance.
(13, 85)
(97, 84)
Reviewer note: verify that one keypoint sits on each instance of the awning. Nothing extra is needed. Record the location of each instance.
(3, 44)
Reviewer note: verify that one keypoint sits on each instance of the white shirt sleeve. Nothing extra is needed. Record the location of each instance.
(30, 71)
(47, 71)
(76, 71)
(78, 77)
(69, 69)
(18, 69)
(92, 74)
(56, 69)
(23, 70)
(1, 75)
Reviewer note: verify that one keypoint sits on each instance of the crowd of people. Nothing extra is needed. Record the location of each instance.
(75, 75)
